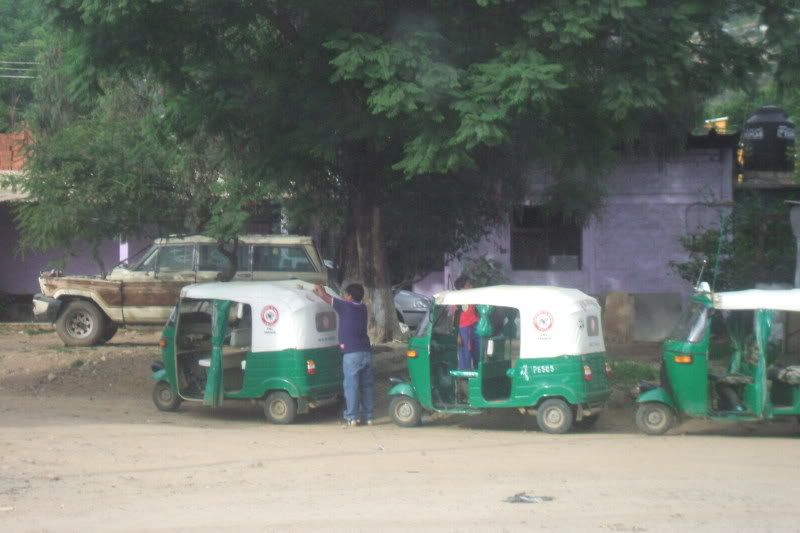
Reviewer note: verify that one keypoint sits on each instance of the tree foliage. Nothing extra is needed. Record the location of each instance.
(21, 38)
(108, 165)
(753, 244)
(103, 174)
(422, 116)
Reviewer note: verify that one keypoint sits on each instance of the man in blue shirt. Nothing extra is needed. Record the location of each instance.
(357, 353)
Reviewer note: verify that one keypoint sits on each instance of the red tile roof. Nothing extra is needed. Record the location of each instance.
(12, 149)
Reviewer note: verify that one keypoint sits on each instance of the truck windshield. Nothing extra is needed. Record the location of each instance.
(692, 324)
(148, 261)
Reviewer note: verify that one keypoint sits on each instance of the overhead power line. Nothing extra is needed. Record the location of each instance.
(18, 70)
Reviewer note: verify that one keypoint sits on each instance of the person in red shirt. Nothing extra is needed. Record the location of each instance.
(468, 343)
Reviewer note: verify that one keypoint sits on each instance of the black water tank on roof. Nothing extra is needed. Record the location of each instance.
(768, 139)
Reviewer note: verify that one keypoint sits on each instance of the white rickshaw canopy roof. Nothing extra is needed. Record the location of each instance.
(751, 299)
(518, 296)
(284, 314)
(553, 321)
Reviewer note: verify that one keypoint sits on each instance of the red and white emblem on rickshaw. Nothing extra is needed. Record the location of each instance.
(543, 320)
(270, 315)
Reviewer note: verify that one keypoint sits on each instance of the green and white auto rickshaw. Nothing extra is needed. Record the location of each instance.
(272, 341)
(727, 359)
(541, 352)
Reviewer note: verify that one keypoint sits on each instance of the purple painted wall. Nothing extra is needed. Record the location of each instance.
(19, 275)
(629, 245)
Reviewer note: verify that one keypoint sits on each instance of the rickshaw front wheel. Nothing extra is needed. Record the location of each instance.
(554, 416)
(280, 408)
(654, 418)
(165, 398)
(405, 411)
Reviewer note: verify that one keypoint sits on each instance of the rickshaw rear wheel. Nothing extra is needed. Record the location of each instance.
(165, 398)
(654, 418)
(280, 408)
(405, 411)
(554, 416)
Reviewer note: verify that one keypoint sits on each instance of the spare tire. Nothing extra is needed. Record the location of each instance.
(81, 323)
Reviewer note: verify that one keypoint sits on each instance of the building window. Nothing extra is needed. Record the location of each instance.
(541, 241)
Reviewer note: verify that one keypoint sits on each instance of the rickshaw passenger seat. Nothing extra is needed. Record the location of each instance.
(735, 379)
(228, 361)
(464, 373)
(785, 374)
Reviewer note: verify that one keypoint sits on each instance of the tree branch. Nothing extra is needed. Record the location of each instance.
(279, 18)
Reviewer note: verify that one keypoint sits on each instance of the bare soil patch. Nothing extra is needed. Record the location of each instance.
(82, 448)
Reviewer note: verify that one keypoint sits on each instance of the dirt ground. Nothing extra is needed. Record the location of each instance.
(82, 448)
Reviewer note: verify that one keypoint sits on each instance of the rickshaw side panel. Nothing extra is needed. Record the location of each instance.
(534, 379)
(287, 370)
(688, 381)
(598, 389)
(328, 376)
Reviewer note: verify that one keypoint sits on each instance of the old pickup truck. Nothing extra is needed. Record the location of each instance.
(87, 310)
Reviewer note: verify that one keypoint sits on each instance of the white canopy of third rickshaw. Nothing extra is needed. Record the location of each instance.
(554, 321)
(751, 299)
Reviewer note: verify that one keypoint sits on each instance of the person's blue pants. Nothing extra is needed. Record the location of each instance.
(468, 350)
(358, 385)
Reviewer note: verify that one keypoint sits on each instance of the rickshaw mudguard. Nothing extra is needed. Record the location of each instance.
(403, 389)
(159, 375)
(657, 395)
(558, 392)
(276, 384)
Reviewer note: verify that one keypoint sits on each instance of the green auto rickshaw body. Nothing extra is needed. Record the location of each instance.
(245, 340)
(540, 343)
(747, 388)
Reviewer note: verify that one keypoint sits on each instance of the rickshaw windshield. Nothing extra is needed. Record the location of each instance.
(692, 324)
(443, 324)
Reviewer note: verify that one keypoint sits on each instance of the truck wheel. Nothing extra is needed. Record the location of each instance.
(81, 323)
(654, 418)
(554, 416)
(165, 398)
(405, 411)
(280, 408)
(108, 334)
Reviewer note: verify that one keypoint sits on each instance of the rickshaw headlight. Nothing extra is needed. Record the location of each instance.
(587, 373)
(609, 370)
(311, 367)
(411, 353)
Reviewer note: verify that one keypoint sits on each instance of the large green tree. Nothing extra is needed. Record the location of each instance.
(21, 40)
(368, 101)
(107, 164)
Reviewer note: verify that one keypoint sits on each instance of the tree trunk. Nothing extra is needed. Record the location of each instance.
(231, 265)
(99, 260)
(371, 268)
